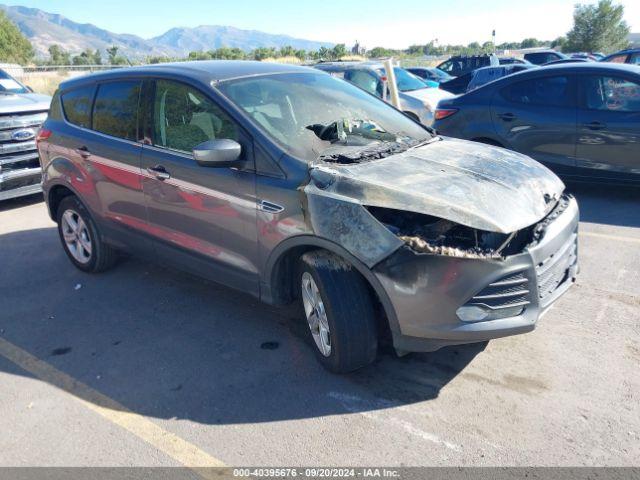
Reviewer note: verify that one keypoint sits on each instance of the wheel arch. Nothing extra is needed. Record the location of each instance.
(277, 287)
(55, 194)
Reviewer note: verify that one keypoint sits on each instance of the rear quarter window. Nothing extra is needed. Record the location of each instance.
(77, 106)
(55, 110)
(550, 91)
(116, 109)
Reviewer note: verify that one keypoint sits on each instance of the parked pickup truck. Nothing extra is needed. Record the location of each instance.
(21, 114)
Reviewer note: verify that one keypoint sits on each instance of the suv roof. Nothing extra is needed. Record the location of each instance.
(209, 70)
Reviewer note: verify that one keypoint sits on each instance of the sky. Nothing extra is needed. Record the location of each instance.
(391, 23)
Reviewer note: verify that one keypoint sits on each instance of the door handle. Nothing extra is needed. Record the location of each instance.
(83, 152)
(507, 117)
(594, 126)
(159, 172)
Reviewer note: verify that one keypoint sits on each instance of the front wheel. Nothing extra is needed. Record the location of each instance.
(339, 312)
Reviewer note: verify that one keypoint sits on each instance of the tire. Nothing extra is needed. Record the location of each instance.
(348, 310)
(86, 249)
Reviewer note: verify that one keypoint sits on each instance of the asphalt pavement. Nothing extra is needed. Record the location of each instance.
(146, 366)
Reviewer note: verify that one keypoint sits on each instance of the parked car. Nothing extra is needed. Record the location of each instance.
(544, 56)
(430, 73)
(459, 65)
(585, 56)
(630, 55)
(477, 78)
(581, 120)
(287, 183)
(416, 99)
(512, 61)
(21, 114)
(565, 60)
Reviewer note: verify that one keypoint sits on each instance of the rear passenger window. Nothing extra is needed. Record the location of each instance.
(116, 110)
(551, 91)
(613, 94)
(77, 106)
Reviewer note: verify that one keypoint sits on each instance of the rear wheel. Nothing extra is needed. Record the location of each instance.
(80, 237)
(339, 312)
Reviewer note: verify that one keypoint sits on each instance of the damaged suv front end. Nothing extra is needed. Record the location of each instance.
(460, 242)
(469, 242)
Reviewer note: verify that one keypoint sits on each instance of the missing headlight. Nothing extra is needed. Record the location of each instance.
(438, 236)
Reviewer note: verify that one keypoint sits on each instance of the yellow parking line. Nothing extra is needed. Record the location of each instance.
(175, 447)
(615, 238)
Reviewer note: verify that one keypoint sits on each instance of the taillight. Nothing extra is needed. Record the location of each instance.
(444, 113)
(43, 134)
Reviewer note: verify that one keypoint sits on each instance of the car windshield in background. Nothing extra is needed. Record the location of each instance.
(8, 84)
(309, 113)
(407, 81)
(440, 75)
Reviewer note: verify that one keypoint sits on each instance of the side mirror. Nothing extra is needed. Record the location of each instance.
(222, 152)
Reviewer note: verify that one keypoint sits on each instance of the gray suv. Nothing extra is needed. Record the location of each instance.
(289, 184)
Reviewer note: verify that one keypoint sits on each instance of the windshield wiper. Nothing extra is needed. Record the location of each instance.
(374, 151)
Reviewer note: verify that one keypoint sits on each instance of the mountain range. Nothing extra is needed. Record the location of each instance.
(44, 29)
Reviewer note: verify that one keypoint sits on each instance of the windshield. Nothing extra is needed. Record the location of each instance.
(312, 114)
(407, 81)
(8, 84)
(442, 76)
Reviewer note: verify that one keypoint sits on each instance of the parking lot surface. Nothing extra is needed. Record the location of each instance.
(147, 366)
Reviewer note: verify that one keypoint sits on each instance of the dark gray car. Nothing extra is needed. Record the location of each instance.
(581, 120)
(287, 183)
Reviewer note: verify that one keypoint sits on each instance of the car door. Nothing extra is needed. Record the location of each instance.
(203, 219)
(609, 124)
(537, 117)
(103, 138)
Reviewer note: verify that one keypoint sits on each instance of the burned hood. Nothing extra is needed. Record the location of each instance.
(472, 184)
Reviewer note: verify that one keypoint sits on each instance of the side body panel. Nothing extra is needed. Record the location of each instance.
(546, 133)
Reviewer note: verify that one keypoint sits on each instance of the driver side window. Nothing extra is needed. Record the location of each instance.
(185, 118)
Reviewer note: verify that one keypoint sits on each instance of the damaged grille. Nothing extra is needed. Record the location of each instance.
(554, 271)
(509, 292)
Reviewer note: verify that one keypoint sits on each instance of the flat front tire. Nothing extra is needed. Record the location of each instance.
(339, 312)
(81, 239)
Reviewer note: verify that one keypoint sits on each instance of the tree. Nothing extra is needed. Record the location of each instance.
(113, 54)
(598, 28)
(339, 51)
(14, 46)
(559, 43)
(58, 55)
(287, 51)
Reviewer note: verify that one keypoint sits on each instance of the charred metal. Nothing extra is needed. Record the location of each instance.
(432, 235)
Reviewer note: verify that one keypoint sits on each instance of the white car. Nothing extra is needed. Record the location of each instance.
(417, 99)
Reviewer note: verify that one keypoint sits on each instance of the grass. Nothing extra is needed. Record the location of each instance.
(44, 82)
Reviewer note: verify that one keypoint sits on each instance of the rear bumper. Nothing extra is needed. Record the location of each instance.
(426, 291)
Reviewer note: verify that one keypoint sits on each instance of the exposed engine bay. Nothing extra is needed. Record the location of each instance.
(432, 235)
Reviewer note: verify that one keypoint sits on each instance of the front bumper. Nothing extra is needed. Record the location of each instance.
(18, 183)
(425, 291)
